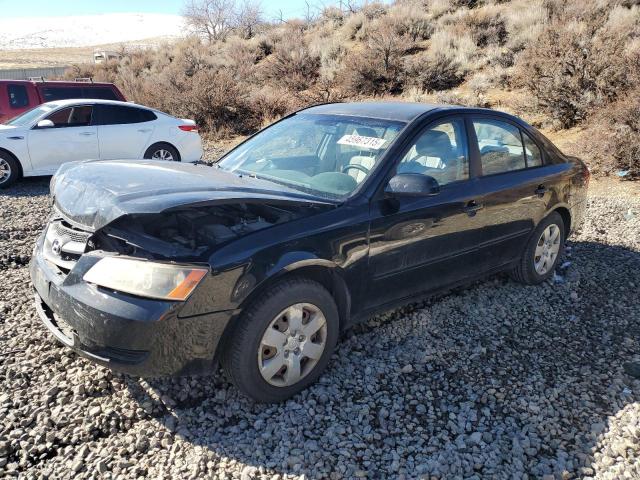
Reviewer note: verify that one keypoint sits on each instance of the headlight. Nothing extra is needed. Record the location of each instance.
(146, 279)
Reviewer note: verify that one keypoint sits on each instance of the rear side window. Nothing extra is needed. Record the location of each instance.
(100, 93)
(534, 156)
(500, 146)
(72, 117)
(120, 115)
(18, 97)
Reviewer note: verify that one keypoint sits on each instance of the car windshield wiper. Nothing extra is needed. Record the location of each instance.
(301, 188)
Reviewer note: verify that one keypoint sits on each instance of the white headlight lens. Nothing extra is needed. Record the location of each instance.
(146, 279)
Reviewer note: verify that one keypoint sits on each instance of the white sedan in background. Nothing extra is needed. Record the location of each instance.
(40, 140)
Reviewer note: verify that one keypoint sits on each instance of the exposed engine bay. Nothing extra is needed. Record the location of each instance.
(190, 231)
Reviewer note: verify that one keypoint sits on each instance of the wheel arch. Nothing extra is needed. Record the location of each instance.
(163, 142)
(325, 272)
(565, 213)
(12, 155)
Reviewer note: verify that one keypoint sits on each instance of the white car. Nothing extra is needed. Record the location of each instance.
(40, 140)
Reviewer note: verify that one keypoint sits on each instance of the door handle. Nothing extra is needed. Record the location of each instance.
(144, 130)
(472, 207)
(15, 138)
(541, 190)
(86, 134)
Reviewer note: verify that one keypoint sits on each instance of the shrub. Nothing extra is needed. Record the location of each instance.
(433, 72)
(486, 28)
(292, 64)
(612, 140)
(378, 69)
(572, 69)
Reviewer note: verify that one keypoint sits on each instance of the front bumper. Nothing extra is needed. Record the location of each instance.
(138, 336)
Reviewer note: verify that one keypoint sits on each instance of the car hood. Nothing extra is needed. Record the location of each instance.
(7, 128)
(93, 194)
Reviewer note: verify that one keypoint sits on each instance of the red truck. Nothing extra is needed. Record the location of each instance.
(17, 96)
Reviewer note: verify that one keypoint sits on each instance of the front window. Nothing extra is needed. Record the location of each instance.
(440, 152)
(30, 116)
(79, 116)
(324, 155)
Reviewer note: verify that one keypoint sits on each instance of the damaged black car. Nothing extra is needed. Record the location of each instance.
(313, 224)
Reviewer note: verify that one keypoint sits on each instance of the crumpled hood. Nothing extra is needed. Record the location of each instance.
(95, 193)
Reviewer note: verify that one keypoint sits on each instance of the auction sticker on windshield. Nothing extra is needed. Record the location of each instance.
(363, 142)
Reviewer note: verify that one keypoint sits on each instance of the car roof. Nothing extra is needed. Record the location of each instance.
(401, 111)
(79, 101)
(398, 111)
(58, 83)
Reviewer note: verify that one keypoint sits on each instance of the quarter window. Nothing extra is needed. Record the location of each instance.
(534, 156)
(500, 146)
(440, 152)
(18, 97)
(72, 117)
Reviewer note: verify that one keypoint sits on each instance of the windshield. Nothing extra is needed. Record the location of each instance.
(30, 116)
(324, 155)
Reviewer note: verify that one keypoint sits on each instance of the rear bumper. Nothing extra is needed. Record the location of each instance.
(190, 147)
(133, 335)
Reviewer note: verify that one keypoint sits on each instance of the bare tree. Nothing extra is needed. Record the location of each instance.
(248, 17)
(216, 19)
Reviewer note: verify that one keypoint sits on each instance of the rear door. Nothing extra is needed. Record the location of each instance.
(123, 131)
(513, 189)
(72, 138)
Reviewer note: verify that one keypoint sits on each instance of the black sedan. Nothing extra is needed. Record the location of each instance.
(313, 224)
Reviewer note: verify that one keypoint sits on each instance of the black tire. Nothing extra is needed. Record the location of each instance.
(240, 355)
(161, 146)
(525, 271)
(9, 162)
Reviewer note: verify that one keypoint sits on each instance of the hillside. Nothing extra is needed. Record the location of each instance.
(88, 30)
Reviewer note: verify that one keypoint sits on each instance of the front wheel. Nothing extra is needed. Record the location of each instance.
(162, 151)
(9, 170)
(283, 341)
(542, 252)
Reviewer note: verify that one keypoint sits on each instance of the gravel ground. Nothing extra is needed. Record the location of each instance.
(494, 381)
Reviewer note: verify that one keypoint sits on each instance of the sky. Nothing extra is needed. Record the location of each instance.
(47, 8)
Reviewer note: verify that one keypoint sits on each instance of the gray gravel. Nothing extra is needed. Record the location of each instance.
(494, 381)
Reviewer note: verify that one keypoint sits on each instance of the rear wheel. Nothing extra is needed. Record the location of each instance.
(542, 252)
(283, 341)
(162, 151)
(9, 170)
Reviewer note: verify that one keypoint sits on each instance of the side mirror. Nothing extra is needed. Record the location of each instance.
(412, 185)
(45, 124)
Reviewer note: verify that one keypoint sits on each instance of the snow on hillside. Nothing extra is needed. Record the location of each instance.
(86, 30)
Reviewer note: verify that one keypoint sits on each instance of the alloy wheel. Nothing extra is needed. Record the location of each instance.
(547, 249)
(5, 170)
(162, 154)
(292, 344)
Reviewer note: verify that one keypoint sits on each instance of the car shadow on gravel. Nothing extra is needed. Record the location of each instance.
(495, 380)
(28, 187)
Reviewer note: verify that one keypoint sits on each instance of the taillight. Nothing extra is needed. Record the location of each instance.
(188, 128)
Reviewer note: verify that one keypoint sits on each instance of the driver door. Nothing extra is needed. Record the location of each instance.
(71, 138)
(419, 244)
